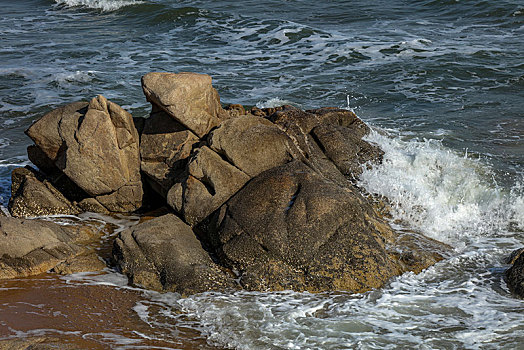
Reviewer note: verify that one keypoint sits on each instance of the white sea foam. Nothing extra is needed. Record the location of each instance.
(4, 142)
(455, 297)
(66, 78)
(445, 195)
(274, 102)
(104, 5)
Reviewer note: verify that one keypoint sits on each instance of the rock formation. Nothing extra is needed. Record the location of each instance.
(189, 98)
(262, 199)
(32, 195)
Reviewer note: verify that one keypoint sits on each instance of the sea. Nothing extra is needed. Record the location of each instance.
(441, 83)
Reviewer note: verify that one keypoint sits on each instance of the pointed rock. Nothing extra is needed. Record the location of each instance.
(96, 145)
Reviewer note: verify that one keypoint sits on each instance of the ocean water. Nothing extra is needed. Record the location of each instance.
(440, 81)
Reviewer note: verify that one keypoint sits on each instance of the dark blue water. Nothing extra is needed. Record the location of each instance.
(441, 81)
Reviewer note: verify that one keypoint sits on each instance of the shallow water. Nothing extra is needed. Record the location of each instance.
(441, 82)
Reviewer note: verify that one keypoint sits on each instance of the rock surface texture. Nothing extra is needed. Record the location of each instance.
(261, 199)
(32, 196)
(189, 98)
(96, 146)
(30, 247)
(515, 274)
(164, 254)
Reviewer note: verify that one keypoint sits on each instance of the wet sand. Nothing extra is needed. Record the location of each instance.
(65, 314)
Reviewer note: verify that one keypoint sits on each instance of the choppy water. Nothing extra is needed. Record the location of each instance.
(442, 82)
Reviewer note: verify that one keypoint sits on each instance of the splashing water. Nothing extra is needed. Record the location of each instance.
(104, 5)
(447, 196)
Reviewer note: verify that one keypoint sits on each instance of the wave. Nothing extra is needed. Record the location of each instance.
(448, 196)
(274, 102)
(104, 5)
(67, 78)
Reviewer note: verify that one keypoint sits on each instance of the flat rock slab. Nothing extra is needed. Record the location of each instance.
(30, 247)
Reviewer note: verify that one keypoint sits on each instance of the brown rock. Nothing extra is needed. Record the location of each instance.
(235, 110)
(188, 97)
(92, 205)
(46, 132)
(89, 262)
(36, 343)
(96, 146)
(164, 149)
(164, 254)
(32, 196)
(54, 175)
(290, 228)
(30, 247)
(345, 148)
(210, 182)
(515, 274)
(329, 140)
(252, 144)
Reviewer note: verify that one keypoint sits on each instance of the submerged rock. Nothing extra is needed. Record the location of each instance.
(30, 247)
(515, 274)
(164, 254)
(96, 146)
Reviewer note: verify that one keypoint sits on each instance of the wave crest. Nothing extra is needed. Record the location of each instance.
(104, 5)
(447, 196)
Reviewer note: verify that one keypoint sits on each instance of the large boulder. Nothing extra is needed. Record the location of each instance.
(291, 228)
(164, 254)
(30, 247)
(252, 144)
(96, 146)
(187, 97)
(515, 274)
(208, 183)
(31, 196)
(164, 149)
